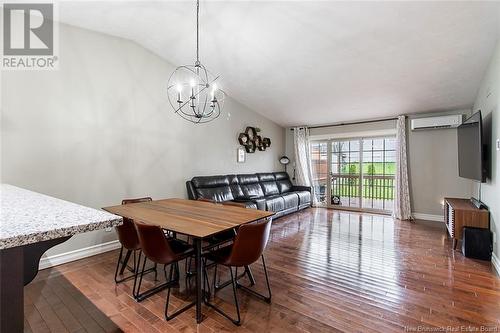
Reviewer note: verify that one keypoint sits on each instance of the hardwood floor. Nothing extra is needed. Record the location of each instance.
(330, 271)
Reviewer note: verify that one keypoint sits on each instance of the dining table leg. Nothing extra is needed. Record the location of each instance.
(199, 273)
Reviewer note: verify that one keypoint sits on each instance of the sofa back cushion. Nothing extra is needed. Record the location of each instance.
(239, 187)
(247, 179)
(266, 177)
(218, 194)
(270, 188)
(234, 184)
(210, 181)
(281, 175)
(284, 186)
(283, 181)
(268, 183)
(237, 192)
(250, 186)
(252, 191)
(213, 187)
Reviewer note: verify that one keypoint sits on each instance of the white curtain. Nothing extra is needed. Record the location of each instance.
(303, 170)
(302, 161)
(402, 206)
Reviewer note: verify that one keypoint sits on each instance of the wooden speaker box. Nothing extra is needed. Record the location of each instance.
(460, 213)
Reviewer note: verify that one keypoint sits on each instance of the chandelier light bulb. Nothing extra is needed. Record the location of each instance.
(214, 89)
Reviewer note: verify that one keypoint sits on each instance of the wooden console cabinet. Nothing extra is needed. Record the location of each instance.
(459, 213)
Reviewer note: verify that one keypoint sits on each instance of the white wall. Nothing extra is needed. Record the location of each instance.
(488, 101)
(100, 129)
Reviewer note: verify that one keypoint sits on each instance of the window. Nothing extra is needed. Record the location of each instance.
(355, 173)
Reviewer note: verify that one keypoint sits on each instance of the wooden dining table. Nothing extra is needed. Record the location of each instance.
(198, 219)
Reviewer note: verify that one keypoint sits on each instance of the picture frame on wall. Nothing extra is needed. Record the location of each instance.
(241, 155)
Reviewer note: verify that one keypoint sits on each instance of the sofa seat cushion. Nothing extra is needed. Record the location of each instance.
(291, 200)
(304, 197)
(219, 194)
(275, 203)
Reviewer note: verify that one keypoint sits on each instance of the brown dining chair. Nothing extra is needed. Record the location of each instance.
(213, 241)
(127, 236)
(163, 251)
(247, 248)
(221, 239)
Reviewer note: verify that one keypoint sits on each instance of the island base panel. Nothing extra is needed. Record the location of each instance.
(18, 267)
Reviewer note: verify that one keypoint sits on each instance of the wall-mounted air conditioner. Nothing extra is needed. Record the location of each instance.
(426, 123)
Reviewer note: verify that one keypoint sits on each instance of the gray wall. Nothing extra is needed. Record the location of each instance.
(432, 158)
(433, 168)
(488, 101)
(100, 129)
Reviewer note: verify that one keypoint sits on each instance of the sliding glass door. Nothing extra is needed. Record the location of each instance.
(345, 173)
(355, 173)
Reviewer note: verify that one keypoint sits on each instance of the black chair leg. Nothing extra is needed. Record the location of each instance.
(248, 271)
(139, 297)
(177, 272)
(253, 292)
(123, 263)
(215, 279)
(134, 291)
(178, 312)
(118, 265)
(237, 321)
(206, 283)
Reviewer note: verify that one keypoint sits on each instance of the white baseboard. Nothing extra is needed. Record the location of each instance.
(63, 258)
(428, 217)
(496, 263)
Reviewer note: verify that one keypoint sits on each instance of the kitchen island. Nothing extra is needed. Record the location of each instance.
(30, 224)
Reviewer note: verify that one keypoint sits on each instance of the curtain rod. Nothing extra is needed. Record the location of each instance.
(353, 123)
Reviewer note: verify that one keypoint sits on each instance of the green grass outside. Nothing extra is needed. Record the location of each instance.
(375, 168)
(381, 189)
(372, 188)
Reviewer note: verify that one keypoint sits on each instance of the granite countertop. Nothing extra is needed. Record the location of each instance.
(28, 217)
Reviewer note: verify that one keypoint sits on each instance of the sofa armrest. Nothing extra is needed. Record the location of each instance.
(190, 190)
(301, 188)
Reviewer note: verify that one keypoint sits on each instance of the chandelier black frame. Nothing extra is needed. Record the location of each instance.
(205, 100)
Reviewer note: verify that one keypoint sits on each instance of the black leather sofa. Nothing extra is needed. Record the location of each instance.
(265, 191)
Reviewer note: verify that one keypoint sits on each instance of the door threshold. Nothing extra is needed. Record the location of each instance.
(347, 209)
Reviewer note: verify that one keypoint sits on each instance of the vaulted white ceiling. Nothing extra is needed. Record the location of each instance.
(308, 62)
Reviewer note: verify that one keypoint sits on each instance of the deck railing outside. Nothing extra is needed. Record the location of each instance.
(377, 190)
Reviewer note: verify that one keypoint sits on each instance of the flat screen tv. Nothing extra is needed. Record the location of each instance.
(470, 149)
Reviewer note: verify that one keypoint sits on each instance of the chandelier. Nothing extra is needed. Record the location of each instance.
(192, 90)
